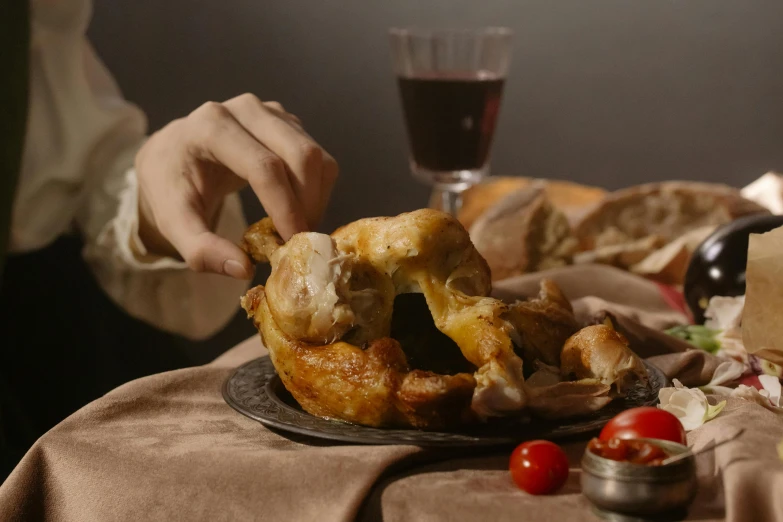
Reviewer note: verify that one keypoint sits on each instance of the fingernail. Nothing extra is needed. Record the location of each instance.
(235, 269)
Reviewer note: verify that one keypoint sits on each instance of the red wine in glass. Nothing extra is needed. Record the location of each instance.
(450, 118)
(451, 82)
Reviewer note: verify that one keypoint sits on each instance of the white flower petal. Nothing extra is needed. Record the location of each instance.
(724, 313)
(726, 372)
(731, 346)
(697, 394)
(665, 395)
(717, 390)
(695, 415)
(688, 405)
(752, 394)
(683, 399)
(772, 386)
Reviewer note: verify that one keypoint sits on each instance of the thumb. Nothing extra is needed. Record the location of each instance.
(185, 227)
(203, 250)
(208, 252)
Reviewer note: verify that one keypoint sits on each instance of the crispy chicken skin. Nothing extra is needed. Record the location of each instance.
(372, 385)
(261, 240)
(596, 366)
(323, 289)
(601, 353)
(542, 325)
(326, 314)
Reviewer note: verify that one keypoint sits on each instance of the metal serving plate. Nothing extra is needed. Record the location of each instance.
(255, 390)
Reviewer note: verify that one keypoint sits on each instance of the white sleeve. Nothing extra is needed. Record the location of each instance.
(158, 290)
(82, 140)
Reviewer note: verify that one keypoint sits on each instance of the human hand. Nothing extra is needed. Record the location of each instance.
(186, 169)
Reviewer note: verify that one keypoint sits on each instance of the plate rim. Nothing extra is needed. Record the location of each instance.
(453, 440)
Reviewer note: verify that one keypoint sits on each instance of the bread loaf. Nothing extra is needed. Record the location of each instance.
(523, 232)
(668, 210)
(571, 199)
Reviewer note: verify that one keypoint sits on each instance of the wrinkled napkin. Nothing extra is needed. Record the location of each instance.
(167, 447)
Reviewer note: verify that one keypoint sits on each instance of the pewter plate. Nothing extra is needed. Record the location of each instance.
(255, 390)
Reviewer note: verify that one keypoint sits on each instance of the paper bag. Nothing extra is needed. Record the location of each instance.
(762, 318)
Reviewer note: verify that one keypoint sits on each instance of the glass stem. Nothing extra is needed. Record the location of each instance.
(450, 201)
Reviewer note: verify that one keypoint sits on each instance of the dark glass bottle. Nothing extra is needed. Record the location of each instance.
(718, 264)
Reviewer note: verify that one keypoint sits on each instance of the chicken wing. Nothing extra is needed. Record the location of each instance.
(601, 353)
(542, 325)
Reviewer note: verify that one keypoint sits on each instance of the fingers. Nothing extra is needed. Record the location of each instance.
(330, 171)
(223, 138)
(260, 142)
(303, 157)
(183, 224)
(280, 111)
(186, 169)
(208, 252)
(275, 106)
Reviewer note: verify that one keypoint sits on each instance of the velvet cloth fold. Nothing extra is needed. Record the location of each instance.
(167, 447)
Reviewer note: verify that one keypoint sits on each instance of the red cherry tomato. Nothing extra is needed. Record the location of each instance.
(633, 451)
(613, 449)
(539, 467)
(646, 422)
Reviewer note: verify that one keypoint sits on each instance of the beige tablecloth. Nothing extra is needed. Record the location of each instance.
(168, 448)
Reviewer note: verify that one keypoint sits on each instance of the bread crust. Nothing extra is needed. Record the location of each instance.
(523, 232)
(573, 199)
(667, 209)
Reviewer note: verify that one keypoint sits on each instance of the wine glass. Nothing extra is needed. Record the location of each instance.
(451, 83)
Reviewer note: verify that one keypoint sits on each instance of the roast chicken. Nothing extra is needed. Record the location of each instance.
(389, 322)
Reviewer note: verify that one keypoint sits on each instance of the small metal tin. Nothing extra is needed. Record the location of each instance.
(638, 490)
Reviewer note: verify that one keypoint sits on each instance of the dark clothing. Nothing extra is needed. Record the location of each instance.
(64, 344)
(14, 87)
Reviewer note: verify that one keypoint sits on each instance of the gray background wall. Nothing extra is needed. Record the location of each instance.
(608, 92)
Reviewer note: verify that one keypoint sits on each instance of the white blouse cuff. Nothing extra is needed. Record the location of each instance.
(129, 245)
